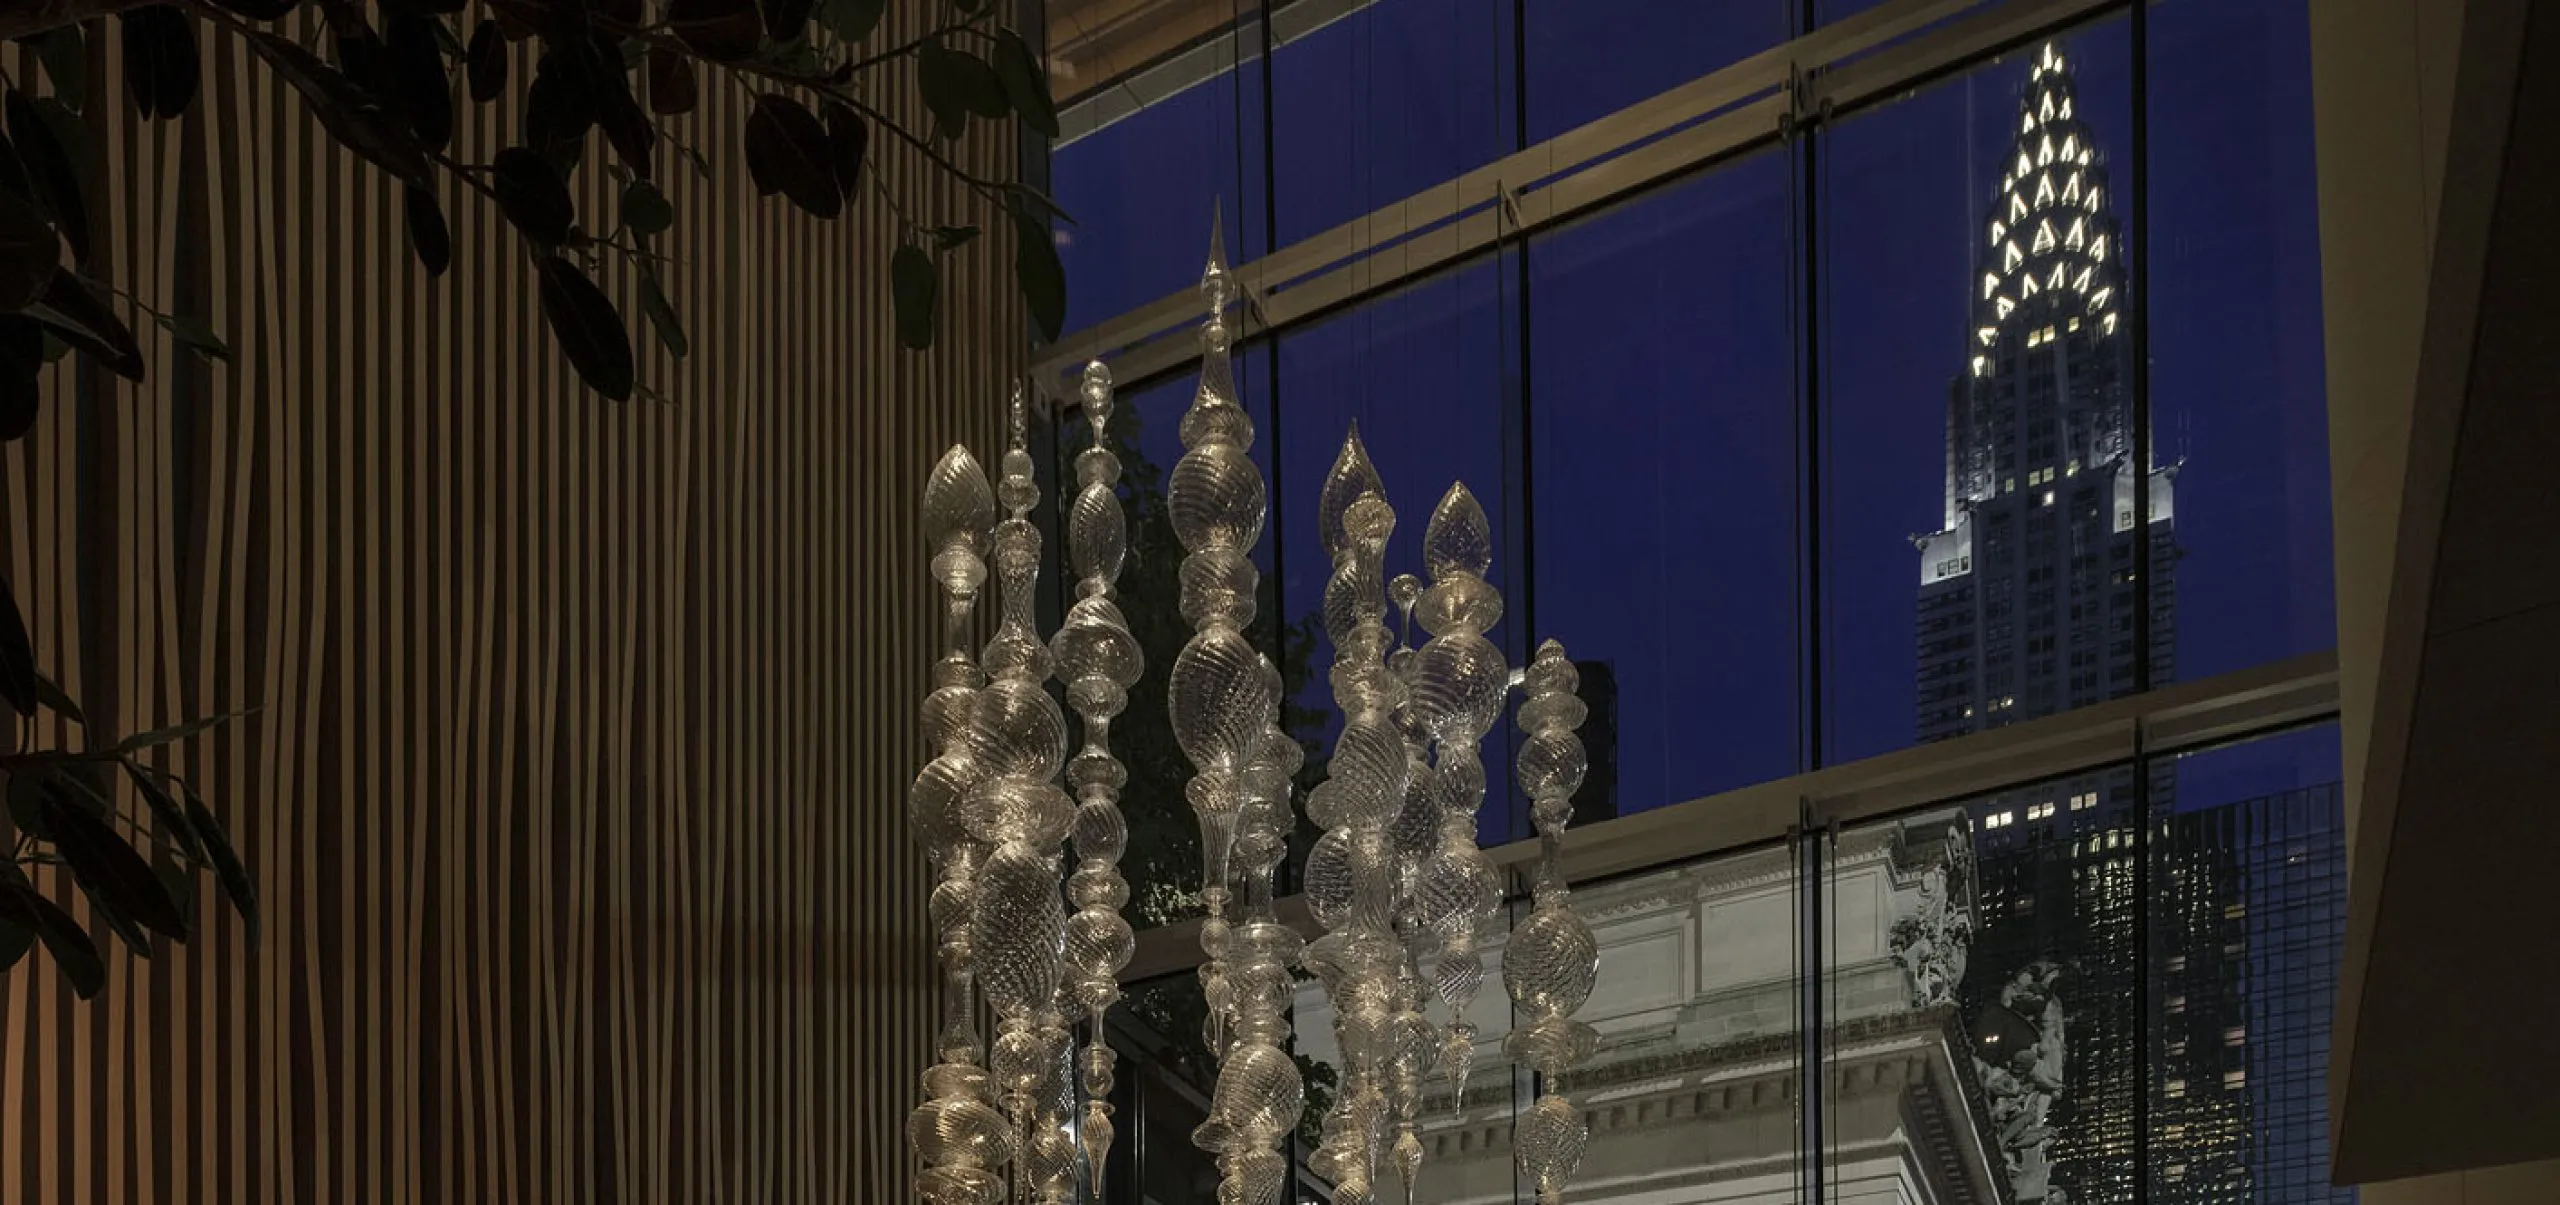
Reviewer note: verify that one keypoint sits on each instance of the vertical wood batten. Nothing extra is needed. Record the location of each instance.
(575, 792)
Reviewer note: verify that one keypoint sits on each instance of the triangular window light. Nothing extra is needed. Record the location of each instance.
(2044, 151)
(2066, 108)
(2093, 198)
(2025, 165)
(2070, 147)
(2026, 287)
(2098, 300)
(2044, 236)
(2010, 256)
(2056, 282)
(2002, 306)
(2017, 207)
(1999, 231)
(2045, 110)
(1990, 284)
(2071, 189)
(2098, 249)
(2078, 234)
(2080, 283)
(2044, 189)
(2026, 123)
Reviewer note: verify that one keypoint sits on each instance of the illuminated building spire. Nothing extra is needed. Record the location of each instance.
(2049, 264)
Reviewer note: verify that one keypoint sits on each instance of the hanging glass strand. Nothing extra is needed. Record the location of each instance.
(1552, 959)
(1351, 873)
(1459, 680)
(1222, 697)
(957, 1133)
(1099, 661)
(1019, 735)
(1414, 1045)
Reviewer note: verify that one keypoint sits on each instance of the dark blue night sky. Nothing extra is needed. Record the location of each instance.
(1661, 506)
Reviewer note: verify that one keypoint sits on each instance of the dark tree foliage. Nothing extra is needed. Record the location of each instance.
(600, 78)
(138, 871)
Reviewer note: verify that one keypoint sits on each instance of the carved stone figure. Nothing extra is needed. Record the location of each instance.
(1930, 943)
(2022, 1088)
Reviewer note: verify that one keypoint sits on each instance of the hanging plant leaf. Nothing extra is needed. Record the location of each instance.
(56, 700)
(980, 87)
(946, 238)
(662, 317)
(533, 196)
(429, 240)
(848, 138)
(560, 107)
(13, 174)
(1025, 84)
(228, 870)
(485, 63)
(65, 55)
(445, 7)
(1022, 200)
(937, 79)
(111, 872)
(645, 209)
(786, 20)
(787, 152)
(351, 115)
(170, 734)
(1043, 280)
(21, 358)
(26, 796)
(360, 54)
(30, 252)
(671, 84)
(17, 656)
(589, 330)
(261, 10)
(723, 31)
(166, 810)
(72, 951)
(627, 125)
(417, 76)
(196, 335)
(50, 171)
(851, 20)
(912, 285)
(83, 319)
(159, 59)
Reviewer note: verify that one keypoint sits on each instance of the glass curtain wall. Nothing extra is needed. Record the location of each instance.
(1980, 398)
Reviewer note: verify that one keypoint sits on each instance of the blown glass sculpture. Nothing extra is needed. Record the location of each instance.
(1395, 883)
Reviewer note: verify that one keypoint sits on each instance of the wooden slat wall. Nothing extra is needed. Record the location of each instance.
(575, 795)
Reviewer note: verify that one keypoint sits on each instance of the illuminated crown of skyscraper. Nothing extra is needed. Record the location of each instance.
(2050, 248)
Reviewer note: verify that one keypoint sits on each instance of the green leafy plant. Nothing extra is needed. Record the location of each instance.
(139, 872)
(385, 81)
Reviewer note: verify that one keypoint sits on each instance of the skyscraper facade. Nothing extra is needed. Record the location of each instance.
(2029, 599)
(2029, 594)
(2184, 1078)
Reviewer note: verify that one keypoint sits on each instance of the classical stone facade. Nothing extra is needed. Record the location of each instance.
(1695, 1094)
